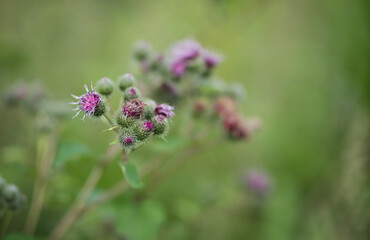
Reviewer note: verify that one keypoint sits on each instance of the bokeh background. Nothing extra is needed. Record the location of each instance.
(306, 68)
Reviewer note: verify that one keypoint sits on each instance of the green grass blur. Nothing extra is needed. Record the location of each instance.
(306, 68)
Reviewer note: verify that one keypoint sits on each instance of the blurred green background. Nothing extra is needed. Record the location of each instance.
(306, 68)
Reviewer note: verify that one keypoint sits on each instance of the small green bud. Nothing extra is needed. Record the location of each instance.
(142, 50)
(100, 109)
(149, 108)
(105, 86)
(124, 121)
(126, 81)
(132, 93)
(10, 193)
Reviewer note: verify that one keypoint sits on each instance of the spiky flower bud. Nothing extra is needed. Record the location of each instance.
(161, 126)
(91, 103)
(149, 108)
(123, 120)
(132, 93)
(126, 81)
(142, 50)
(127, 138)
(105, 86)
(133, 108)
(144, 130)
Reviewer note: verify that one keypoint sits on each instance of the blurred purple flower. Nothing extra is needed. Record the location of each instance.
(211, 59)
(165, 110)
(185, 50)
(258, 182)
(178, 68)
(89, 102)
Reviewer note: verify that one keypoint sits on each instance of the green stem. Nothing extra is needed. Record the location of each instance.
(110, 105)
(5, 223)
(45, 155)
(110, 122)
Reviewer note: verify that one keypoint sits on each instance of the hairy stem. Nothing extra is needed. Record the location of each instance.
(45, 156)
(75, 210)
(110, 105)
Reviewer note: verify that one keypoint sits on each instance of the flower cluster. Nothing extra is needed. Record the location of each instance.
(185, 70)
(137, 119)
(187, 58)
(10, 196)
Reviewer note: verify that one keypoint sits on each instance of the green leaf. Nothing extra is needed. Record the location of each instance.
(115, 141)
(131, 174)
(110, 129)
(70, 150)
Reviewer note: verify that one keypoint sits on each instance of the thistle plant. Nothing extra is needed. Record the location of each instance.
(181, 77)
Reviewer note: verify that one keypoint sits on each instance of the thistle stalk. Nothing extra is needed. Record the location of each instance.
(45, 155)
(75, 210)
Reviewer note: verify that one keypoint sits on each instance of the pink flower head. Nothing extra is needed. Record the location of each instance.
(148, 125)
(211, 59)
(258, 182)
(88, 103)
(128, 140)
(185, 50)
(133, 108)
(165, 110)
(178, 68)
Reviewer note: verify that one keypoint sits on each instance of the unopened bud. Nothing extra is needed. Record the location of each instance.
(127, 138)
(142, 50)
(105, 86)
(10, 193)
(161, 126)
(126, 81)
(149, 108)
(132, 93)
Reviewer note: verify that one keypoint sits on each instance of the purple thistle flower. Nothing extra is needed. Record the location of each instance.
(128, 140)
(133, 108)
(258, 182)
(178, 68)
(185, 50)
(165, 110)
(148, 125)
(211, 59)
(88, 103)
